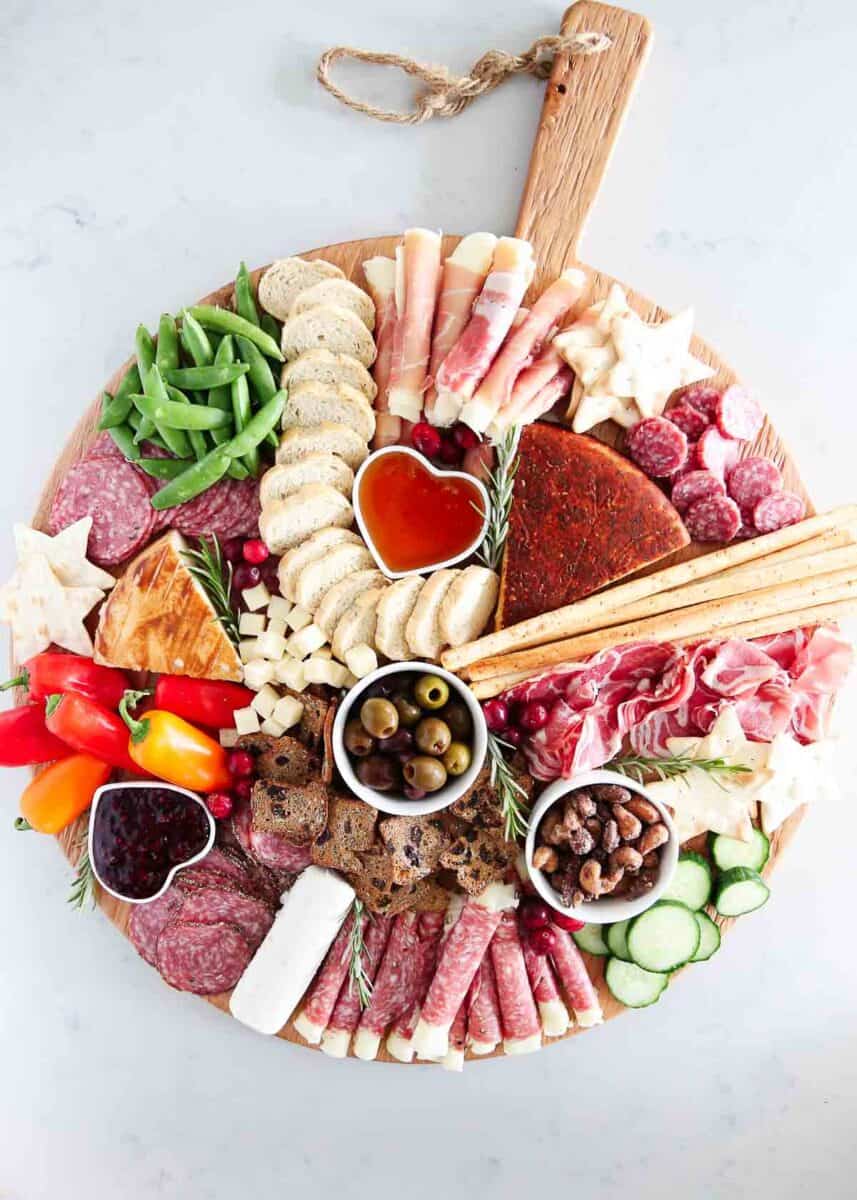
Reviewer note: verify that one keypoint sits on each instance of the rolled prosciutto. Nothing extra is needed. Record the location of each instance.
(416, 298)
(381, 284)
(400, 1037)
(574, 978)
(312, 1020)
(522, 1031)
(346, 1012)
(394, 985)
(544, 400)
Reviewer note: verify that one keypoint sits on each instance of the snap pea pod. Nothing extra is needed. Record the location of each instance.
(195, 436)
(242, 410)
(116, 412)
(257, 428)
(196, 342)
(261, 376)
(221, 320)
(245, 304)
(195, 479)
(123, 436)
(135, 420)
(167, 351)
(237, 470)
(271, 326)
(164, 468)
(176, 439)
(145, 348)
(221, 397)
(175, 416)
(205, 377)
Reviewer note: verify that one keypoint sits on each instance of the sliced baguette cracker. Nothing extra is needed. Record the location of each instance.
(337, 291)
(357, 626)
(312, 402)
(315, 547)
(342, 595)
(327, 437)
(394, 612)
(422, 632)
(284, 479)
(286, 278)
(286, 523)
(324, 366)
(468, 605)
(316, 579)
(328, 327)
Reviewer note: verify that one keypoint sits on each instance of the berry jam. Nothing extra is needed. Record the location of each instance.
(140, 833)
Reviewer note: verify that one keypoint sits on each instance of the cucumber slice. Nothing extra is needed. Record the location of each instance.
(740, 891)
(591, 939)
(729, 852)
(617, 940)
(664, 937)
(632, 986)
(692, 882)
(709, 937)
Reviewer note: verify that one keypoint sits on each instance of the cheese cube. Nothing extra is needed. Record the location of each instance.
(325, 670)
(229, 737)
(290, 673)
(323, 652)
(265, 701)
(298, 617)
(279, 608)
(258, 672)
(350, 679)
(272, 728)
(248, 649)
(271, 645)
(251, 624)
(246, 720)
(361, 660)
(306, 641)
(256, 597)
(288, 711)
(277, 626)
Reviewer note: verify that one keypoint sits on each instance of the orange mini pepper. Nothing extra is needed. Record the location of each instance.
(172, 749)
(59, 794)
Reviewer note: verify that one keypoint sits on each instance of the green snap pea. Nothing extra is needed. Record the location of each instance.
(145, 348)
(155, 389)
(260, 374)
(195, 436)
(272, 439)
(164, 468)
(195, 479)
(123, 436)
(271, 326)
(221, 320)
(237, 470)
(116, 412)
(242, 411)
(196, 342)
(135, 421)
(172, 415)
(206, 377)
(167, 351)
(245, 304)
(257, 428)
(221, 397)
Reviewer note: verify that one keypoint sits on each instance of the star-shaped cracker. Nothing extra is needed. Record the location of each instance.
(66, 554)
(800, 774)
(41, 610)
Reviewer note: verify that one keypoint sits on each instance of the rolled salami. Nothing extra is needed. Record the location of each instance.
(311, 1021)
(552, 1010)
(394, 985)
(574, 978)
(483, 1010)
(346, 1012)
(400, 1037)
(453, 1060)
(522, 1031)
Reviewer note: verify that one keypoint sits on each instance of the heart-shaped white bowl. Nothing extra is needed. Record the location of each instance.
(439, 474)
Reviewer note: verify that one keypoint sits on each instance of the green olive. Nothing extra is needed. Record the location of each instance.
(425, 773)
(458, 719)
(457, 758)
(431, 692)
(409, 713)
(357, 740)
(432, 736)
(379, 717)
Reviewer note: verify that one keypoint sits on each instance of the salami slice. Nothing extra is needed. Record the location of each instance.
(240, 517)
(148, 921)
(696, 485)
(273, 850)
(483, 1010)
(205, 959)
(703, 398)
(690, 421)
(658, 447)
(552, 1010)
(518, 1012)
(751, 480)
(716, 519)
(312, 1020)
(453, 1060)
(346, 1012)
(739, 415)
(112, 493)
(208, 906)
(714, 452)
(104, 447)
(229, 864)
(778, 510)
(571, 969)
(242, 826)
(202, 514)
(393, 985)
(400, 1037)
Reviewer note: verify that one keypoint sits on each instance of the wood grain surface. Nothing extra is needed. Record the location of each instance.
(583, 110)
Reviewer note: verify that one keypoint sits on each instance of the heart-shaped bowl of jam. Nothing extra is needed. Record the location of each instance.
(141, 834)
(414, 517)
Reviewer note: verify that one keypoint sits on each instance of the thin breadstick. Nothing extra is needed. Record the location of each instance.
(834, 539)
(482, 689)
(567, 620)
(700, 620)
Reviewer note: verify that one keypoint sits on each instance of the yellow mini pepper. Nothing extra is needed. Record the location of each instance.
(172, 749)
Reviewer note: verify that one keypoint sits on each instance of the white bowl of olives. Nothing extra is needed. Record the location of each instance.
(410, 739)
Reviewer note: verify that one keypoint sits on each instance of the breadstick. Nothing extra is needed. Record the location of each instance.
(567, 620)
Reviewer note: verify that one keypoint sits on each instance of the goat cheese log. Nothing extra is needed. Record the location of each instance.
(312, 1020)
(522, 1031)
(346, 1012)
(394, 985)
(552, 1010)
(574, 978)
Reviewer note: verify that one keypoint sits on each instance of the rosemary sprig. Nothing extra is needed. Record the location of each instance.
(513, 797)
(674, 766)
(82, 893)
(357, 955)
(501, 485)
(210, 568)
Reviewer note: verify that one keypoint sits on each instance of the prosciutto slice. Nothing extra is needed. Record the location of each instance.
(556, 389)
(573, 975)
(346, 1012)
(520, 348)
(394, 985)
(467, 363)
(381, 284)
(399, 1039)
(483, 1010)
(464, 273)
(522, 1031)
(312, 1020)
(544, 368)
(552, 1010)
(416, 298)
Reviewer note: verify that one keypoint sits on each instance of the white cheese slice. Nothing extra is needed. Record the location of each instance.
(453, 1060)
(525, 1045)
(284, 965)
(555, 1018)
(366, 1045)
(401, 1048)
(587, 1017)
(335, 1043)
(309, 1031)
(482, 1048)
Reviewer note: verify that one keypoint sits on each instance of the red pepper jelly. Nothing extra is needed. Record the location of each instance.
(139, 834)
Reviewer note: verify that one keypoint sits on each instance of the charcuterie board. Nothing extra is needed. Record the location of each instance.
(583, 109)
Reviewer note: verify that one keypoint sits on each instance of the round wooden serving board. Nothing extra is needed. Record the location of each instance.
(584, 106)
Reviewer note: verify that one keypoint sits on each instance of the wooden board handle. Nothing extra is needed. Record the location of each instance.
(585, 103)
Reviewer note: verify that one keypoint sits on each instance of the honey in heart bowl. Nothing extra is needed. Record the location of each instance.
(415, 518)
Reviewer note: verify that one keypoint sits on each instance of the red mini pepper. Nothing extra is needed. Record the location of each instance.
(25, 739)
(90, 728)
(205, 701)
(53, 672)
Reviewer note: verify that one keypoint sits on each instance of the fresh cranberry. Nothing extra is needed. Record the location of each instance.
(219, 805)
(449, 453)
(233, 549)
(496, 715)
(245, 576)
(426, 439)
(255, 551)
(535, 716)
(512, 736)
(535, 914)
(242, 789)
(241, 764)
(464, 437)
(569, 924)
(544, 940)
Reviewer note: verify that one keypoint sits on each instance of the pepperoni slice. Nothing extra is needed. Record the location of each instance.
(702, 397)
(658, 447)
(696, 485)
(739, 415)
(690, 420)
(751, 480)
(205, 959)
(716, 519)
(778, 510)
(714, 452)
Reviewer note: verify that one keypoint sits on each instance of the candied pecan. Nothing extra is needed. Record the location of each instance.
(610, 836)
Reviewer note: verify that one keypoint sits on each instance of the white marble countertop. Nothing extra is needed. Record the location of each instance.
(148, 148)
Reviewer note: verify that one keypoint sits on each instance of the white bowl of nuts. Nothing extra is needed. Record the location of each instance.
(599, 848)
